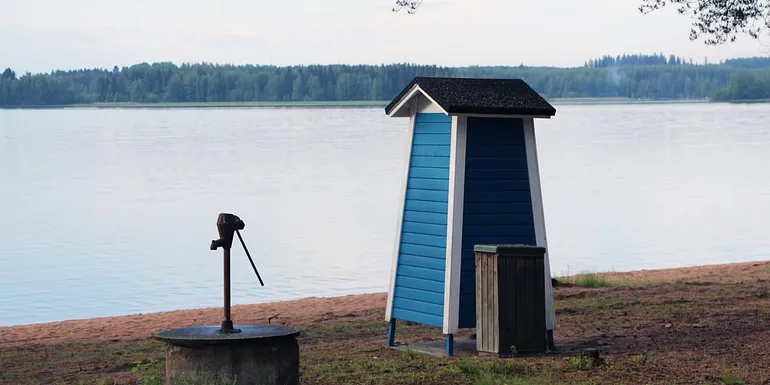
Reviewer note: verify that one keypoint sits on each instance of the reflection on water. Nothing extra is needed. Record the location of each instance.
(111, 212)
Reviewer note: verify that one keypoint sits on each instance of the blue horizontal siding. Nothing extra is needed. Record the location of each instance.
(433, 118)
(427, 184)
(429, 161)
(427, 296)
(431, 139)
(423, 239)
(427, 195)
(423, 273)
(427, 127)
(429, 173)
(431, 150)
(497, 202)
(416, 216)
(428, 251)
(423, 262)
(418, 284)
(421, 270)
(415, 316)
(426, 207)
(420, 306)
(424, 228)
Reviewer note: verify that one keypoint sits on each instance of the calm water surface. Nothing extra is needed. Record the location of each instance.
(110, 212)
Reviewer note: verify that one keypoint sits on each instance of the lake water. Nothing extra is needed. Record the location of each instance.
(111, 212)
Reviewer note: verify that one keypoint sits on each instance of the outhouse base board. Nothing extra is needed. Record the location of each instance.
(438, 348)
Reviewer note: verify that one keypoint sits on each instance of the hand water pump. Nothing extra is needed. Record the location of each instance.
(227, 225)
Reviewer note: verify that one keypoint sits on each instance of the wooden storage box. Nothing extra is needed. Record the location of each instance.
(510, 299)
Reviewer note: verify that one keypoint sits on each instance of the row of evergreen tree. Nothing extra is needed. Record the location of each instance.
(630, 76)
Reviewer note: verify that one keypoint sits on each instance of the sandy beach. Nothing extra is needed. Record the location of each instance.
(709, 320)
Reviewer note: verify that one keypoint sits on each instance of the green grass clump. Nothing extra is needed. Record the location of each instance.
(730, 379)
(591, 280)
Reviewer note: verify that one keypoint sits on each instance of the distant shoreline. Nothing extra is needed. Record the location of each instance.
(351, 104)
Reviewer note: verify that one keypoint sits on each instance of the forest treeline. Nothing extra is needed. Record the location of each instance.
(629, 76)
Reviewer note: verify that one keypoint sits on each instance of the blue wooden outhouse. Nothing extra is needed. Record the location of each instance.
(471, 178)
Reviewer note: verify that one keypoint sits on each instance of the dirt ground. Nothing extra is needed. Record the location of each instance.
(708, 324)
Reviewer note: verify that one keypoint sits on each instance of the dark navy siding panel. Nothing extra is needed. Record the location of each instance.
(419, 292)
(496, 219)
(497, 174)
(497, 150)
(498, 205)
(497, 185)
(494, 197)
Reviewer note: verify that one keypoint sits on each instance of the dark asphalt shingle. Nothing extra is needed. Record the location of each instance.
(480, 96)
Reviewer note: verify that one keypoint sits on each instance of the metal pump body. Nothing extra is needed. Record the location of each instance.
(227, 226)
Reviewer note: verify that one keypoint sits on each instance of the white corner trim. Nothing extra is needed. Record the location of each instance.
(539, 216)
(455, 225)
(399, 224)
(408, 98)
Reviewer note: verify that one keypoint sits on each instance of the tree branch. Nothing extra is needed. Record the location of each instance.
(411, 6)
(719, 21)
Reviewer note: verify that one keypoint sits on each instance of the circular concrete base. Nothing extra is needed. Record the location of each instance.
(257, 355)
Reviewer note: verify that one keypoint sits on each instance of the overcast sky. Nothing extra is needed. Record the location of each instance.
(41, 35)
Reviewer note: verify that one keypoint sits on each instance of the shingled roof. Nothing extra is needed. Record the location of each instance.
(478, 96)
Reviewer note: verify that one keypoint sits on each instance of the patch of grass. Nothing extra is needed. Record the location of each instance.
(597, 303)
(639, 359)
(411, 355)
(586, 362)
(345, 329)
(189, 380)
(329, 328)
(402, 367)
(149, 373)
(730, 379)
(499, 372)
(596, 280)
